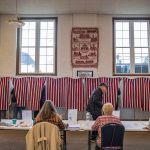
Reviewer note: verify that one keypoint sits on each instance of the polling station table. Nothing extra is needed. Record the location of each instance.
(136, 137)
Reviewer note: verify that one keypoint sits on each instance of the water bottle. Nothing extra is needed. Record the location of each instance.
(88, 116)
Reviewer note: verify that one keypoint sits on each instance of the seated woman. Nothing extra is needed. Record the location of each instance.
(48, 113)
(105, 119)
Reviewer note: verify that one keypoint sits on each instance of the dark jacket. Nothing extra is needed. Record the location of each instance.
(95, 103)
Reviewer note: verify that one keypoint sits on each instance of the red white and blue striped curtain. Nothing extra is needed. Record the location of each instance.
(20, 90)
(34, 89)
(128, 93)
(90, 85)
(56, 91)
(146, 90)
(4, 93)
(61, 92)
(139, 93)
(51, 90)
(113, 86)
(75, 94)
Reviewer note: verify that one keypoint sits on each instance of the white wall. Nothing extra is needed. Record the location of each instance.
(65, 24)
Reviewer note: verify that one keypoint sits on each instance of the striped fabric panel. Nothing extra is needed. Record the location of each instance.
(139, 92)
(4, 93)
(128, 93)
(90, 85)
(114, 90)
(34, 89)
(62, 85)
(75, 97)
(56, 91)
(111, 94)
(106, 96)
(20, 89)
(146, 89)
(51, 89)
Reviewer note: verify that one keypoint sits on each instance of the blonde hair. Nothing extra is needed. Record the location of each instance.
(48, 109)
(107, 109)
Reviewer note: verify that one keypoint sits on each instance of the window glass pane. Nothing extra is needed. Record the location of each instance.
(50, 42)
(43, 60)
(123, 68)
(50, 33)
(43, 33)
(42, 68)
(50, 60)
(126, 34)
(43, 42)
(24, 50)
(144, 43)
(144, 26)
(31, 34)
(43, 51)
(137, 34)
(137, 42)
(125, 25)
(32, 25)
(137, 26)
(118, 34)
(118, 25)
(25, 34)
(25, 42)
(31, 42)
(125, 42)
(50, 51)
(44, 25)
(24, 68)
(51, 25)
(32, 51)
(119, 43)
(50, 68)
(144, 34)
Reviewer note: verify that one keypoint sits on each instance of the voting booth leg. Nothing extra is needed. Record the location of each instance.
(89, 140)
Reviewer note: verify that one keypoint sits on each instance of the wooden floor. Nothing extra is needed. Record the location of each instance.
(15, 140)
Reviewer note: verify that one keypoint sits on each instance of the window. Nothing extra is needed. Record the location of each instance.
(37, 46)
(131, 46)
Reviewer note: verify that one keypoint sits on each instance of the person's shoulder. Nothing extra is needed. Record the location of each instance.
(116, 118)
(57, 116)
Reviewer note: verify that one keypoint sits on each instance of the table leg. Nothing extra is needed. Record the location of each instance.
(64, 141)
(89, 140)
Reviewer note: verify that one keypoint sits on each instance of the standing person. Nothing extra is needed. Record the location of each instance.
(95, 104)
(16, 109)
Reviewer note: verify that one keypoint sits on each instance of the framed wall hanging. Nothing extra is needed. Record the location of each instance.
(84, 46)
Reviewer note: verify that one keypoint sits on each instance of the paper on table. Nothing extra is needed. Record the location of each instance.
(72, 116)
(116, 113)
(27, 116)
(74, 126)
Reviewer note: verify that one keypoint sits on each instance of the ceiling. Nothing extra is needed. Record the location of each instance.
(75, 6)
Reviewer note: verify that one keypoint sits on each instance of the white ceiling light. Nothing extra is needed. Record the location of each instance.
(17, 22)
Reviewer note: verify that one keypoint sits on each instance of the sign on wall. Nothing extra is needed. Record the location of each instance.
(84, 45)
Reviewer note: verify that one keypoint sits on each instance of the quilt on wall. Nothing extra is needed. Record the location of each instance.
(85, 45)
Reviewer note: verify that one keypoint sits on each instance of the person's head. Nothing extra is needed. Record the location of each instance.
(46, 111)
(103, 87)
(107, 109)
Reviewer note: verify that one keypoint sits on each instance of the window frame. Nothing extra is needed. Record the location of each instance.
(114, 19)
(18, 58)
